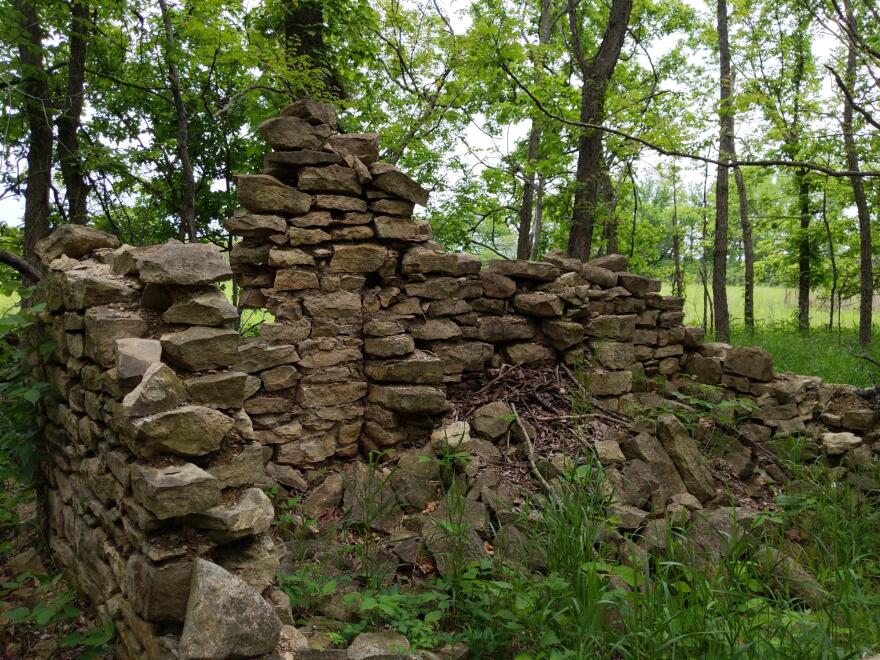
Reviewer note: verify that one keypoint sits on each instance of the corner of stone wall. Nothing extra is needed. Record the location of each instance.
(151, 462)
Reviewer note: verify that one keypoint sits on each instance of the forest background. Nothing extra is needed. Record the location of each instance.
(729, 148)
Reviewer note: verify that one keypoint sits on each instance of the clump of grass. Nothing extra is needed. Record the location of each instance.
(828, 354)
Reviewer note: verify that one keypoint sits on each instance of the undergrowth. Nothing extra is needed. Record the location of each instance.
(593, 600)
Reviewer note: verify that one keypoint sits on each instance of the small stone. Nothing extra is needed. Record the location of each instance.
(225, 617)
(360, 258)
(329, 179)
(222, 390)
(301, 236)
(612, 262)
(390, 179)
(388, 347)
(201, 308)
(313, 112)
(538, 304)
(496, 285)
(608, 452)
(492, 420)
(325, 497)
(288, 133)
(752, 362)
(279, 378)
(243, 223)
(134, 356)
(409, 398)
(363, 145)
(498, 329)
(526, 270)
(249, 514)
(286, 258)
(686, 455)
(73, 241)
(529, 355)
(451, 437)
(835, 444)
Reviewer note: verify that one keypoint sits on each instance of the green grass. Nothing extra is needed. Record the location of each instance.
(595, 599)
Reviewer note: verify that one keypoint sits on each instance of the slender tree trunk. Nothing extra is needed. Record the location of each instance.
(526, 209)
(831, 255)
(722, 183)
(596, 73)
(677, 275)
(35, 85)
(866, 269)
(188, 199)
(704, 241)
(539, 218)
(748, 250)
(75, 185)
(804, 251)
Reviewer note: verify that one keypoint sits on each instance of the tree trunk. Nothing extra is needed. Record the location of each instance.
(596, 73)
(35, 88)
(804, 251)
(677, 275)
(632, 232)
(526, 209)
(704, 265)
(76, 189)
(722, 183)
(866, 270)
(304, 36)
(539, 218)
(748, 250)
(832, 256)
(188, 199)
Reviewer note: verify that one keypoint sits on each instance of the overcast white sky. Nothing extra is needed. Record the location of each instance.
(491, 150)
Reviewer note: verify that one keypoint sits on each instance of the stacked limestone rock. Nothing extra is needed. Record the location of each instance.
(151, 458)
(837, 422)
(382, 318)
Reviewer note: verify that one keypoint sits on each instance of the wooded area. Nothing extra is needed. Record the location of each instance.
(139, 116)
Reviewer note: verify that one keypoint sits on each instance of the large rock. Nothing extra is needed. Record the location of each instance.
(330, 179)
(834, 444)
(158, 592)
(104, 326)
(225, 617)
(174, 490)
(409, 398)
(208, 307)
(251, 513)
(242, 223)
(612, 262)
(597, 275)
(188, 264)
(222, 390)
(313, 112)
(134, 356)
(423, 260)
(185, 431)
(358, 258)
(610, 383)
(390, 179)
(528, 354)
(749, 361)
(261, 193)
(291, 133)
(496, 329)
(73, 241)
(363, 145)
(686, 455)
(621, 328)
(158, 391)
(525, 270)
(383, 644)
(563, 334)
(538, 304)
(714, 534)
(199, 348)
(420, 369)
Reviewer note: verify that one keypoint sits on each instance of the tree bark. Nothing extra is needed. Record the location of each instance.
(866, 269)
(188, 199)
(677, 274)
(748, 250)
(596, 73)
(832, 256)
(526, 209)
(76, 189)
(539, 218)
(804, 251)
(304, 36)
(722, 183)
(35, 85)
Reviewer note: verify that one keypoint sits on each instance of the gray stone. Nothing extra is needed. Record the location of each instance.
(492, 420)
(358, 258)
(243, 223)
(383, 644)
(225, 617)
(525, 270)
(105, 325)
(497, 329)
(752, 362)
(610, 383)
(529, 355)
(158, 391)
(325, 497)
(835, 444)
(329, 179)
(184, 431)
(174, 490)
(261, 193)
(363, 145)
(409, 398)
(387, 347)
(313, 112)
(134, 356)
(612, 262)
(691, 464)
(249, 514)
(538, 304)
(390, 179)
(258, 355)
(208, 307)
(238, 466)
(597, 275)
(563, 334)
(199, 348)
(158, 592)
(188, 264)
(289, 133)
(222, 390)
(73, 241)
(287, 258)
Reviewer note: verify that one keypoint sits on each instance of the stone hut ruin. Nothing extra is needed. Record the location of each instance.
(166, 426)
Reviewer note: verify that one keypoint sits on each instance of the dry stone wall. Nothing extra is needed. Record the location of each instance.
(166, 425)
